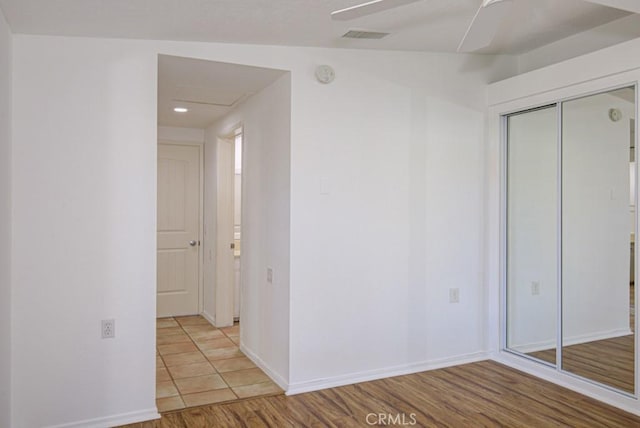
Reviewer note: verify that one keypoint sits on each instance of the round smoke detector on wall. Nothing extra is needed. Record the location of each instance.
(615, 114)
(325, 74)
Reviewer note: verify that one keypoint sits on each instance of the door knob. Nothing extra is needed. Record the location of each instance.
(192, 243)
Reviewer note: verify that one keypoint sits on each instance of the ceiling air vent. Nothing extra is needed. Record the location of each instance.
(362, 34)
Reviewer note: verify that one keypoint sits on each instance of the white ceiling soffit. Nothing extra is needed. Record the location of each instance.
(425, 25)
(208, 89)
(627, 94)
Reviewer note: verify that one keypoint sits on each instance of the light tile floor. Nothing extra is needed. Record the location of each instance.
(198, 364)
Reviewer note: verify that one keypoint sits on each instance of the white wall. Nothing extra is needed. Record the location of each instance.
(237, 221)
(266, 124)
(237, 202)
(398, 137)
(184, 135)
(84, 186)
(5, 221)
(397, 224)
(595, 227)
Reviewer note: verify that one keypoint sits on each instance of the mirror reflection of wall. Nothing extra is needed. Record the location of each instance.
(581, 183)
(632, 202)
(532, 261)
(597, 339)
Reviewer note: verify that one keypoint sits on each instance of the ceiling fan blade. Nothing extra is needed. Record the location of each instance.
(485, 25)
(628, 5)
(368, 8)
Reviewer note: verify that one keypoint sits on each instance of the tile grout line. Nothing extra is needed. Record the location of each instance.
(192, 341)
(166, 367)
(211, 363)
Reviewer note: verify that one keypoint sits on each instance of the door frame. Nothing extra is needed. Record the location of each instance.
(200, 146)
(235, 130)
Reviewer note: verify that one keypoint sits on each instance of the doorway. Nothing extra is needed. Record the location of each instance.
(201, 358)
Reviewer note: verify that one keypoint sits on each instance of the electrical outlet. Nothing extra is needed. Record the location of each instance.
(535, 288)
(108, 329)
(269, 275)
(454, 295)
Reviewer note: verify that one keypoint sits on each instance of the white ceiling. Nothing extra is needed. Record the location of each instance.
(208, 89)
(429, 25)
(211, 89)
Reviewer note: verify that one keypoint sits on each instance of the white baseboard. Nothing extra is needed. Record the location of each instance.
(209, 317)
(575, 340)
(277, 378)
(348, 379)
(603, 335)
(115, 420)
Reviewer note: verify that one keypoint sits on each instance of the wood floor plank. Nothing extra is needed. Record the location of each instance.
(484, 394)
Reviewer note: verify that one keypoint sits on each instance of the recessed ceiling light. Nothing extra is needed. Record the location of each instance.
(180, 110)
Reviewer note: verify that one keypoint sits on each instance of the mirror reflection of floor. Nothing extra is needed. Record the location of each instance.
(609, 361)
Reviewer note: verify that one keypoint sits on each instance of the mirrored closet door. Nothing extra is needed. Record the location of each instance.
(570, 236)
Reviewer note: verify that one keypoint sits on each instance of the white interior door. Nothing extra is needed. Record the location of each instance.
(225, 269)
(178, 229)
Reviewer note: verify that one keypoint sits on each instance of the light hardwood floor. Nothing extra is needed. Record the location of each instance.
(471, 395)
